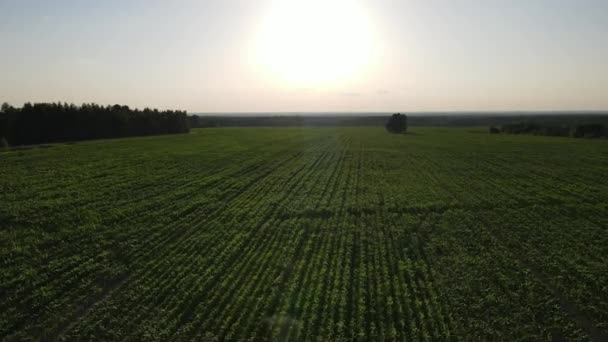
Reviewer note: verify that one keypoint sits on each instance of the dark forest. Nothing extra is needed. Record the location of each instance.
(41, 123)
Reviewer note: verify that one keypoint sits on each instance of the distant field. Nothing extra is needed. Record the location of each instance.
(306, 234)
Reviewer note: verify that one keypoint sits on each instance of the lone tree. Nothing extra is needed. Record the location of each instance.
(397, 123)
(5, 111)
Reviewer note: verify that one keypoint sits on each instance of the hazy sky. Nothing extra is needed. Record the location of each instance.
(307, 55)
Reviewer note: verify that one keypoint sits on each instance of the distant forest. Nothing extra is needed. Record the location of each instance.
(414, 119)
(41, 123)
(287, 121)
(578, 130)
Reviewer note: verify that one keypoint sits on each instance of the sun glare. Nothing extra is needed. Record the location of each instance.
(315, 42)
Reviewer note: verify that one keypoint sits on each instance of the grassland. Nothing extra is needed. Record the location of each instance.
(305, 234)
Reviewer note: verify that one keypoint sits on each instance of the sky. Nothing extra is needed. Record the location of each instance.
(307, 55)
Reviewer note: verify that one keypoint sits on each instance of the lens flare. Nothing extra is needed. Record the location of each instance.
(314, 42)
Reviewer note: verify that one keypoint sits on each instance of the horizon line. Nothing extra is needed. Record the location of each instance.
(373, 113)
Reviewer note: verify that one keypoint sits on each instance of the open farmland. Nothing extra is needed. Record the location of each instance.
(305, 234)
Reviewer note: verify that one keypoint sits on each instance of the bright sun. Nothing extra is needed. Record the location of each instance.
(315, 42)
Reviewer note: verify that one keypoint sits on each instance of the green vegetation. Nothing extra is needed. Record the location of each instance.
(449, 119)
(580, 130)
(397, 123)
(306, 233)
(42, 123)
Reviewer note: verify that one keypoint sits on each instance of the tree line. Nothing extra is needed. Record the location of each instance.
(41, 123)
(206, 121)
(580, 130)
(456, 119)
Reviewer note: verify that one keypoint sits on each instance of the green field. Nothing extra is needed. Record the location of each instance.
(306, 234)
